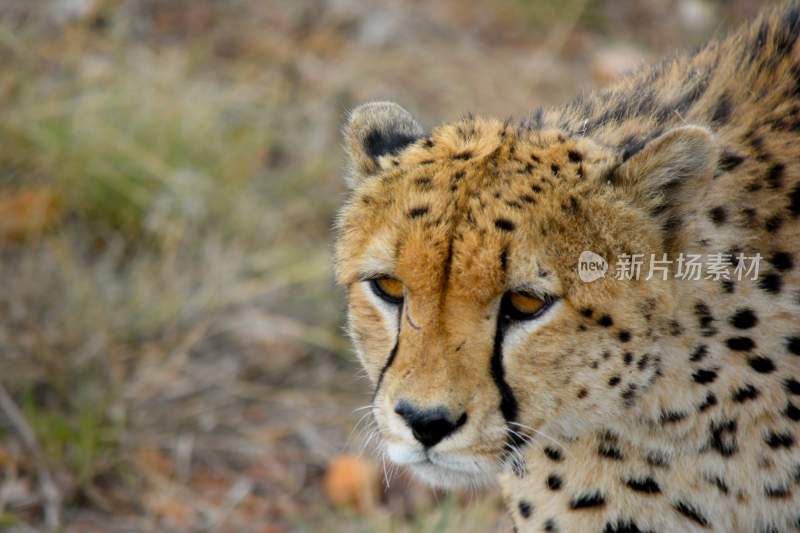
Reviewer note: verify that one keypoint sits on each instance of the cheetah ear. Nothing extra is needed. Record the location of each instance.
(669, 169)
(375, 130)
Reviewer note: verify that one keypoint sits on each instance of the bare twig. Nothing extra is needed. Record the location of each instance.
(50, 493)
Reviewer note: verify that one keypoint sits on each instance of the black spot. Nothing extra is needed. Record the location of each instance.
(574, 156)
(757, 142)
(423, 182)
(703, 376)
(527, 198)
(642, 363)
(777, 440)
(525, 508)
(553, 454)
(794, 201)
(630, 394)
(457, 176)
(657, 459)
(746, 393)
(587, 500)
(782, 261)
(583, 393)
(793, 345)
(792, 412)
(722, 110)
(550, 526)
(554, 482)
(719, 483)
(632, 146)
(606, 321)
(787, 32)
(627, 358)
(728, 285)
(705, 319)
(792, 386)
(763, 365)
(646, 485)
(609, 451)
(504, 259)
(671, 417)
(781, 491)
(417, 212)
(614, 381)
(624, 335)
(718, 215)
(710, 401)
(723, 437)
(672, 224)
(466, 154)
(740, 344)
(675, 328)
(744, 319)
(536, 188)
(699, 353)
(504, 224)
(587, 312)
(775, 175)
(624, 526)
(690, 512)
(378, 143)
(555, 169)
(729, 160)
(773, 223)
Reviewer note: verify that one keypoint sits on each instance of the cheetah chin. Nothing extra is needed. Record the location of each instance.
(446, 470)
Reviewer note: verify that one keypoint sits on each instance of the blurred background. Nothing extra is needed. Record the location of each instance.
(171, 347)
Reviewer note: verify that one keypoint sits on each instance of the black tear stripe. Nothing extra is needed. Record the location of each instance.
(508, 403)
(392, 354)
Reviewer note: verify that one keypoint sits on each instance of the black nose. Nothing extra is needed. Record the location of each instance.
(429, 426)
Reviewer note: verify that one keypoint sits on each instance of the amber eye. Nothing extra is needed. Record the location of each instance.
(389, 289)
(518, 305)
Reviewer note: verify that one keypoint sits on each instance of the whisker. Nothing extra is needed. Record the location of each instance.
(385, 474)
(357, 427)
(540, 433)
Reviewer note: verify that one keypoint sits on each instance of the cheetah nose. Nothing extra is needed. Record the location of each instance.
(429, 426)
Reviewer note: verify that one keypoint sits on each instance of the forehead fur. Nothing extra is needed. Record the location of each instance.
(470, 190)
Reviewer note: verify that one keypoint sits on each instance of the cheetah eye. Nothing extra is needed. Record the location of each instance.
(519, 305)
(388, 289)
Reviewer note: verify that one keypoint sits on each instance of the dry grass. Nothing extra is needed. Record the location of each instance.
(170, 337)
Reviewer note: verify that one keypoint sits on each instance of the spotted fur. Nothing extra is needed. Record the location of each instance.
(658, 405)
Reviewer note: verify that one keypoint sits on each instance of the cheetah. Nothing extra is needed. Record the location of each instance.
(625, 403)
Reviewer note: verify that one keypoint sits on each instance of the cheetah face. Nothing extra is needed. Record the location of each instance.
(459, 252)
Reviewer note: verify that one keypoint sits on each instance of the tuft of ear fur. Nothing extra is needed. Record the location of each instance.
(375, 130)
(669, 169)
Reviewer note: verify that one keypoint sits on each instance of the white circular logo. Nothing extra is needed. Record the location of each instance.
(591, 266)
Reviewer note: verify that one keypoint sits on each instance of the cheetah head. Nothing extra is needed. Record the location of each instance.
(459, 252)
